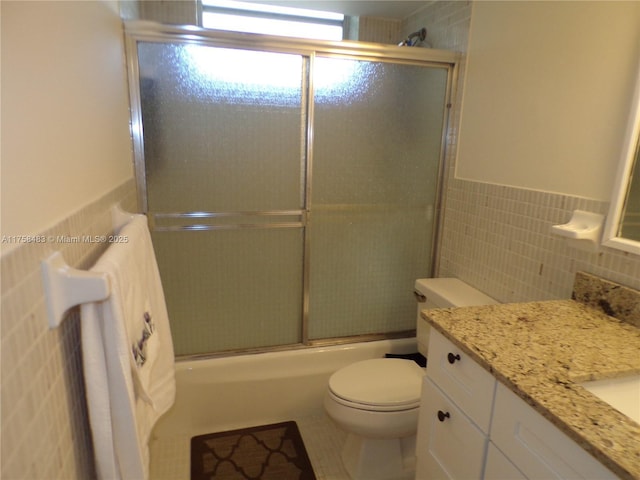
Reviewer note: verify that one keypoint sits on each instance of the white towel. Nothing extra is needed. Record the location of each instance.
(128, 356)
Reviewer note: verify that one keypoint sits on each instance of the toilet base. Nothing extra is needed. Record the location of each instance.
(379, 458)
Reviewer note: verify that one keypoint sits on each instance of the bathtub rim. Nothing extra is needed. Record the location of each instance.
(313, 344)
(395, 345)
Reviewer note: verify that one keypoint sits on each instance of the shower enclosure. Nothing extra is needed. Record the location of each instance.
(292, 187)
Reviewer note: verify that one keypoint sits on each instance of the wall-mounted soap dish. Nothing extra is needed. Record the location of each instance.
(583, 230)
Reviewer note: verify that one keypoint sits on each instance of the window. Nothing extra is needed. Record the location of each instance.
(271, 20)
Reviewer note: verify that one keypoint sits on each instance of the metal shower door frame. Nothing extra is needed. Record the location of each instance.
(142, 31)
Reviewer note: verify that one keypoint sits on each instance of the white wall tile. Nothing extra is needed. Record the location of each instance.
(520, 250)
(45, 432)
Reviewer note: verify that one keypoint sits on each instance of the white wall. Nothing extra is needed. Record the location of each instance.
(65, 118)
(547, 94)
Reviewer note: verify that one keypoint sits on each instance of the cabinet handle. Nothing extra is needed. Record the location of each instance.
(452, 358)
(442, 415)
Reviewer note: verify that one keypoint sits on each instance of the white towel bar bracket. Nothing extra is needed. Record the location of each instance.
(120, 218)
(65, 287)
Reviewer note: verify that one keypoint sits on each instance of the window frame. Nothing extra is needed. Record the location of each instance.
(267, 13)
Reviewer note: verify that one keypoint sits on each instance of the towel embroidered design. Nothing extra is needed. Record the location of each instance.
(139, 348)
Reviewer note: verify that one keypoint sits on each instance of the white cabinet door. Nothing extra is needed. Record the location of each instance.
(536, 446)
(499, 467)
(449, 445)
(463, 380)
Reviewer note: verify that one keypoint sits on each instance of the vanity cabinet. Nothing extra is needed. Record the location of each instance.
(500, 467)
(455, 414)
(535, 446)
(472, 427)
(460, 378)
(450, 432)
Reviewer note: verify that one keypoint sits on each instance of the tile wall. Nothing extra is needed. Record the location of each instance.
(498, 239)
(379, 30)
(447, 24)
(45, 431)
(178, 12)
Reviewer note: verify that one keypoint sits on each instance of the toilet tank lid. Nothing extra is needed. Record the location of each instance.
(451, 292)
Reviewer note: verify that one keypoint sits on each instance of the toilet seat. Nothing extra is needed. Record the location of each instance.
(381, 384)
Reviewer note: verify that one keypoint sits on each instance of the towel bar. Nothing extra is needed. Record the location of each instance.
(65, 287)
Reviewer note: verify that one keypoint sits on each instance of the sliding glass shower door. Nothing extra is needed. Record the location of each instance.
(376, 153)
(290, 194)
(224, 190)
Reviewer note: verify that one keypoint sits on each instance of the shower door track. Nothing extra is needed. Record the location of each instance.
(325, 342)
(143, 31)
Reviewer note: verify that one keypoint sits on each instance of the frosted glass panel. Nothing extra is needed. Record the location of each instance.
(377, 132)
(377, 146)
(224, 132)
(224, 135)
(231, 289)
(221, 127)
(364, 265)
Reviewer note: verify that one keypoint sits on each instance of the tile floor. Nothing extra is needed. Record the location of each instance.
(322, 439)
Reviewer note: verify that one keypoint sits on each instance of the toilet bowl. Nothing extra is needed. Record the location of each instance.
(377, 401)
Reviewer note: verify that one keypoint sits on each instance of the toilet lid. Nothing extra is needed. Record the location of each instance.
(381, 381)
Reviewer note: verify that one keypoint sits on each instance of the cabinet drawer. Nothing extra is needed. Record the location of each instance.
(469, 385)
(499, 467)
(536, 446)
(451, 447)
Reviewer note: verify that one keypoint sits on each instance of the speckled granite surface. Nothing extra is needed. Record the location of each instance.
(540, 350)
(611, 298)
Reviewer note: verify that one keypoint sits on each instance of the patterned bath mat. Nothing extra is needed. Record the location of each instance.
(268, 452)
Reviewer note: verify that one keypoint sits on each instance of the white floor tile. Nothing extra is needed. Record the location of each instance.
(170, 455)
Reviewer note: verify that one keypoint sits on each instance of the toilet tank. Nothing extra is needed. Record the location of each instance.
(443, 293)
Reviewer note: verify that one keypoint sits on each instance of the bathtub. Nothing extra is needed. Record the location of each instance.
(233, 392)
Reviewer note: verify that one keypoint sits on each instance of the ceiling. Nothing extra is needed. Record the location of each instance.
(397, 9)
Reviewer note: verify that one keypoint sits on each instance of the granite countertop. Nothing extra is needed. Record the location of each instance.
(541, 350)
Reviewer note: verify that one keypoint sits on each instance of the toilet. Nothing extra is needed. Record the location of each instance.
(377, 401)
